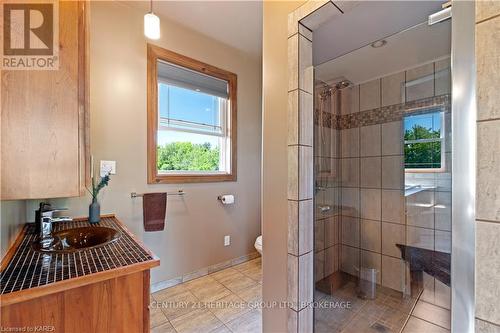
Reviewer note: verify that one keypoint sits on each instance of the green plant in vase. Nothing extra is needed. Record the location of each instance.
(95, 207)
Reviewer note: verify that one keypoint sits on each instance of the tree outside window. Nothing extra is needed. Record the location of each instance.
(424, 142)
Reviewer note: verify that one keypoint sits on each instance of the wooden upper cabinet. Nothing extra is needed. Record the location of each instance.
(44, 124)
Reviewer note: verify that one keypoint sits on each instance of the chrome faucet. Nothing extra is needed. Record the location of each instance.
(44, 217)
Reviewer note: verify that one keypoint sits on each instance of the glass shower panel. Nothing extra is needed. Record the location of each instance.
(382, 157)
(428, 174)
(326, 169)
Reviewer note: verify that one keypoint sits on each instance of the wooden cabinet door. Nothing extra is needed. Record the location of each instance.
(43, 129)
(117, 305)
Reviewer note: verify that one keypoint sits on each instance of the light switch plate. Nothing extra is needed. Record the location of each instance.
(108, 167)
(227, 240)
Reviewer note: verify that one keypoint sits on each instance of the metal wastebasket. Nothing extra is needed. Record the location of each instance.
(367, 288)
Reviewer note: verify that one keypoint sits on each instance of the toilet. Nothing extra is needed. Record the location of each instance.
(258, 244)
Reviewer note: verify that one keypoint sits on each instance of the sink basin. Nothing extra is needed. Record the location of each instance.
(77, 239)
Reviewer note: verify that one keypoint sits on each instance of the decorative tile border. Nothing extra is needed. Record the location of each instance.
(329, 120)
(381, 115)
(202, 272)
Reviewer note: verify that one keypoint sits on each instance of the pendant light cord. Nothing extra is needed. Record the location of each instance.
(151, 6)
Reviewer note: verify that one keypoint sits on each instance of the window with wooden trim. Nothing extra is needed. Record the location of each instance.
(191, 120)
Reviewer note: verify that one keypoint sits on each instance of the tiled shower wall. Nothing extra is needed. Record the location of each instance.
(300, 284)
(428, 219)
(488, 167)
(428, 213)
(488, 213)
(300, 184)
(372, 214)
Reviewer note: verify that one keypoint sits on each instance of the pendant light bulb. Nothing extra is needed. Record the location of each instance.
(151, 24)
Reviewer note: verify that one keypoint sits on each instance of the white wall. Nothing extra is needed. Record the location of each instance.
(275, 161)
(13, 215)
(197, 223)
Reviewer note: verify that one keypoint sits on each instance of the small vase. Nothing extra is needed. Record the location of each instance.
(94, 212)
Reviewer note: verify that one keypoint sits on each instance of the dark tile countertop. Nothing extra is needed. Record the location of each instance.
(30, 269)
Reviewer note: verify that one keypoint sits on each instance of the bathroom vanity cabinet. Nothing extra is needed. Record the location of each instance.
(103, 289)
(44, 128)
(118, 304)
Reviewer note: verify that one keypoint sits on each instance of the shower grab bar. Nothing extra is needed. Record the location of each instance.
(179, 192)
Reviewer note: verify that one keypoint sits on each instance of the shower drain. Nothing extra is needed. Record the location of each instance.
(380, 328)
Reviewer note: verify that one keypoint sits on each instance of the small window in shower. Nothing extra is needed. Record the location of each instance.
(424, 142)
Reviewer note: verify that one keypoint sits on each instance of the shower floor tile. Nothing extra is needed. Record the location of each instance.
(387, 313)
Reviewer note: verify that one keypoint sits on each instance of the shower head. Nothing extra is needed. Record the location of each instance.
(329, 90)
(343, 84)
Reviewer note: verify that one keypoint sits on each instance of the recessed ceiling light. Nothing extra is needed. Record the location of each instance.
(379, 43)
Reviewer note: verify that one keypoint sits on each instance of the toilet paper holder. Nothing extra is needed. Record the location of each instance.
(221, 198)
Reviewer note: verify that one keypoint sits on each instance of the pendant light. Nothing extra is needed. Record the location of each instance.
(151, 24)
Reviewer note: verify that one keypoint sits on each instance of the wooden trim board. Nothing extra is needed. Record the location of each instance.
(155, 53)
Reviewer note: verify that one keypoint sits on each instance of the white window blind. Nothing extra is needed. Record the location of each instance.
(191, 101)
(189, 79)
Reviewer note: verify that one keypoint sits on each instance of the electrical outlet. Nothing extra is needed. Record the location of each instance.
(227, 240)
(107, 167)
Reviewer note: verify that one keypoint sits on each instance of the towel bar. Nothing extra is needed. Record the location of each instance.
(135, 195)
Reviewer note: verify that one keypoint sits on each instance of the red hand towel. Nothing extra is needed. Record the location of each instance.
(154, 207)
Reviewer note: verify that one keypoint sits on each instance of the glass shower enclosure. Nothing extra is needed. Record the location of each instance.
(382, 180)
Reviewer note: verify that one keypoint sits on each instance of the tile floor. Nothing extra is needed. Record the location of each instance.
(224, 301)
(387, 313)
(427, 317)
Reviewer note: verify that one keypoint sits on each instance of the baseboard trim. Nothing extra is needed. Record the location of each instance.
(202, 272)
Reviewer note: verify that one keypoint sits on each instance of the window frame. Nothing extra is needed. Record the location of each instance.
(154, 54)
(441, 140)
